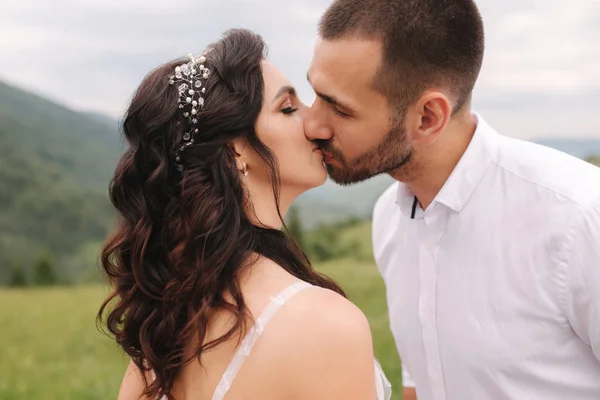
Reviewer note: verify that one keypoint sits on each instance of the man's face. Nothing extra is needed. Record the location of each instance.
(354, 125)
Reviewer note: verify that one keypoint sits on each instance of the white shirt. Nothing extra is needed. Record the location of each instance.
(494, 290)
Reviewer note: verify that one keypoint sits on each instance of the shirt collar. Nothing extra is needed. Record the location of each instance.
(464, 178)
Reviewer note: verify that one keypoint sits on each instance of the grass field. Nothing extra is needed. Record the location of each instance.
(52, 350)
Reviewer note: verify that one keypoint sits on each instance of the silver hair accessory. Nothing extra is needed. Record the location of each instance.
(189, 77)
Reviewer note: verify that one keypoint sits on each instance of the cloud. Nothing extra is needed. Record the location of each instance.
(548, 47)
(540, 74)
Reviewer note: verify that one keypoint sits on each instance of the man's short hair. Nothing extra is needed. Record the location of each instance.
(426, 43)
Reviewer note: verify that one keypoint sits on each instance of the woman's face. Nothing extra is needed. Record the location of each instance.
(280, 126)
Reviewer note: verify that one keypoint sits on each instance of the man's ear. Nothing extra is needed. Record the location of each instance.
(434, 111)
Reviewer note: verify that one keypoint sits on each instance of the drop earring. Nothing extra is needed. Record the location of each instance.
(245, 169)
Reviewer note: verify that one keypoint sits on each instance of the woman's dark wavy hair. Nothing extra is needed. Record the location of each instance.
(183, 238)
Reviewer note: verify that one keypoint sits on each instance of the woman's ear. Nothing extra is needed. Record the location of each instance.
(238, 147)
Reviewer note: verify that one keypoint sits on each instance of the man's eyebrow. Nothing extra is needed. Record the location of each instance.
(285, 90)
(332, 100)
(328, 98)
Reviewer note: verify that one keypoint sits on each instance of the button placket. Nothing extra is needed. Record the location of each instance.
(428, 250)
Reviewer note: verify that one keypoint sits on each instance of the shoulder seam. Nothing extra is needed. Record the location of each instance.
(566, 196)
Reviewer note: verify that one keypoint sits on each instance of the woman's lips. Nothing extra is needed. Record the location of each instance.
(326, 157)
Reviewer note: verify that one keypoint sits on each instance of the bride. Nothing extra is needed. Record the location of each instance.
(211, 299)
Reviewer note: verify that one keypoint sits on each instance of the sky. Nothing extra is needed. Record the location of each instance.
(540, 77)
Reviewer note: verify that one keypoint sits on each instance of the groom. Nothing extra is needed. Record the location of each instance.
(489, 246)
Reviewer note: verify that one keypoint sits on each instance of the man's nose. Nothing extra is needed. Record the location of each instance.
(315, 125)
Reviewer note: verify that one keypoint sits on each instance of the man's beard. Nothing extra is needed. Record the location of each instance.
(392, 154)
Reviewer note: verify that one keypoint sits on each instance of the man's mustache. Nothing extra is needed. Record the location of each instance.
(326, 147)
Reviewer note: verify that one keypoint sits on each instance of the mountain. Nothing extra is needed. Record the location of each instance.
(332, 203)
(110, 122)
(79, 148)
(580, 148)
(55, 165)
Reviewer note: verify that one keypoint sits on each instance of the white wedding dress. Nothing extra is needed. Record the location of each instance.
(383, 386)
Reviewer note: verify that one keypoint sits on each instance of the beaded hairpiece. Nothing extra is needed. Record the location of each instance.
(189, 76)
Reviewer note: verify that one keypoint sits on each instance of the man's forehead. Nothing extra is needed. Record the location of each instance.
(345, 64)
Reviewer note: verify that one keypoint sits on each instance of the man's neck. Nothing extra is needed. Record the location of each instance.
(438, 160)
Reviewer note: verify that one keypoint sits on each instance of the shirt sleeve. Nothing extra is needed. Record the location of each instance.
(583, 279)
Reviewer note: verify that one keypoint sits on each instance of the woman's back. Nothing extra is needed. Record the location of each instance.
(310, 343)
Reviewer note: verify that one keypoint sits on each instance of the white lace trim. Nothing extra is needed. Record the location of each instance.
(253, 334)
(382, 384)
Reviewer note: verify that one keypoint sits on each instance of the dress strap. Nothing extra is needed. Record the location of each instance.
(252, 336)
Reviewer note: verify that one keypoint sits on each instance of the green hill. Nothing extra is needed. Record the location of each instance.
(55, 165)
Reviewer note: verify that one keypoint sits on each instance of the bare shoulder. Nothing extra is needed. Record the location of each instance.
(320, 311)
(132, 385)
(327, 336)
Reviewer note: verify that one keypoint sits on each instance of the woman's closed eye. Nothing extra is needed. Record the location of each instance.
(289, 110)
